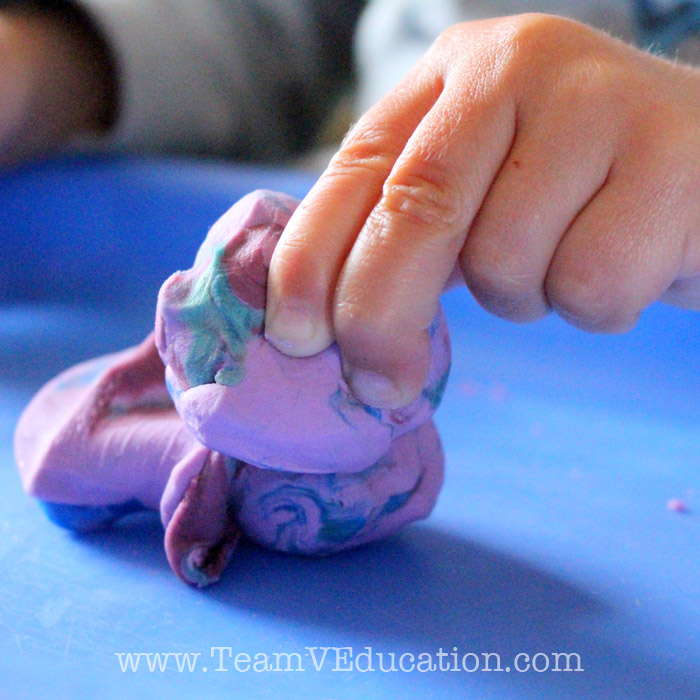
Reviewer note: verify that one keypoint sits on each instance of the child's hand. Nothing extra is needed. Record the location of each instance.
(560, 168)
(55, 82)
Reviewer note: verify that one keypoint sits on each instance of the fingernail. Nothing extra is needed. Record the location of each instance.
(374, 389)
(292, 331)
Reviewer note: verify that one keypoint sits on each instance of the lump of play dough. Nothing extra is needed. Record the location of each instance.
(104, 438)
(241, 396)
(323, 513)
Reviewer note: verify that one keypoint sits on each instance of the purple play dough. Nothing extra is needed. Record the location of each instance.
(271, 447)
(280, 412)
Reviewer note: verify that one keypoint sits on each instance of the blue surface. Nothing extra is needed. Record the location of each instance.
(551, 534)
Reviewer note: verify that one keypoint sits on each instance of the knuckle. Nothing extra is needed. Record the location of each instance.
(370, 147)
(491, 268)
(506, 54)
(569, 57)
(532, 31)
(509, 51)
(589, 302)
(502, 283)
(451, 40)
(425, 200)
(521, 37)
(515, 31)
(351, 165)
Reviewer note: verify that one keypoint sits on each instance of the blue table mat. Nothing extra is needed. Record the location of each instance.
(552, 534)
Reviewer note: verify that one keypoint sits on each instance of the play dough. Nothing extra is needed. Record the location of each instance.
(227, 437)
(242, 397)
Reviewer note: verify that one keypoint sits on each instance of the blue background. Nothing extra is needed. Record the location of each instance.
(551, 534)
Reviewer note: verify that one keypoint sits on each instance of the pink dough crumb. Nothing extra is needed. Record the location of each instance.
(676, 505)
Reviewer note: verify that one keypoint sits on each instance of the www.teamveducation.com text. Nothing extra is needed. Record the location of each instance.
(224, 659)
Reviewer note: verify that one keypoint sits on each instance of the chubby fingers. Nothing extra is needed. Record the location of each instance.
(310, 254)
(365, 258)
(388, 290)
(627, 247)
(593, 213)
